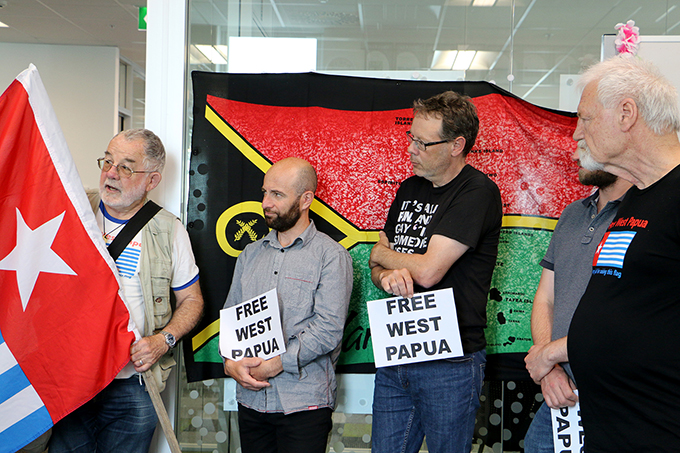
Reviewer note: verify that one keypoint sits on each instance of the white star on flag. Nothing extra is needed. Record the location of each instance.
(33, 254)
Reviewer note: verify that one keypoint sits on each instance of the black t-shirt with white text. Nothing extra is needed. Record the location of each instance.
(468, 209)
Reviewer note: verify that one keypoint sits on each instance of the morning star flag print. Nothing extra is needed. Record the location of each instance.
(65, 331)
(612, 249)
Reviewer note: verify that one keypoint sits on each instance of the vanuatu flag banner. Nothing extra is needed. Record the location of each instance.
(353, 130)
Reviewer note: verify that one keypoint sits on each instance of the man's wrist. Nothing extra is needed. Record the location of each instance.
(377, 253)
(170, 339)
(553, 352)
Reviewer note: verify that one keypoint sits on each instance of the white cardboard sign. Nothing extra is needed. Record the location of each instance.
(568, 434)
(417, 329)
(252, 328)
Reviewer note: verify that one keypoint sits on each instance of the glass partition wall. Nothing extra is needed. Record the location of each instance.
(531, 48)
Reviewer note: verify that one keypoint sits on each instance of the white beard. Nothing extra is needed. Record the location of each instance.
(124, 198)
(586, 159)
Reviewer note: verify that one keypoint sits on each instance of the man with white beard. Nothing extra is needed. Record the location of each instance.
(623, 344)
(154, 259)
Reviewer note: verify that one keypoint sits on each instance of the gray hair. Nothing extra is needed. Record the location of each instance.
(625, 76)
(154, 151)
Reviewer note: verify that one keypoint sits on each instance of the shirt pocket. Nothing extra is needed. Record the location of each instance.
(296, 297)
(160, 290)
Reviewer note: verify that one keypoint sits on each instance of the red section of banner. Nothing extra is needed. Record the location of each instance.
(357, 177)
(527, 151)
(361, 157)
(72, 337)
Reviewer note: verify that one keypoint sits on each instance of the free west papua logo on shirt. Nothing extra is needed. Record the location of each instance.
(611, 252)
(128, 261)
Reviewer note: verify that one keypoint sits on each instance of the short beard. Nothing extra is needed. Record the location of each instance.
(124, 198)
(586, 159)
(285, 221)
(598, 178)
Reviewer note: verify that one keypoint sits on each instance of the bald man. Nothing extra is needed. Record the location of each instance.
(285, 403)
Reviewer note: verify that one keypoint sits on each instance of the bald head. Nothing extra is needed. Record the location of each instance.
(301, 173)
(287, 194)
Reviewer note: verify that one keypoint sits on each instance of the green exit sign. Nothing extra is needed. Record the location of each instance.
(142, 18)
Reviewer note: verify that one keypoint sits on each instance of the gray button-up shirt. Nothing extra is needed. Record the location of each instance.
(313, 279)
(570, 255)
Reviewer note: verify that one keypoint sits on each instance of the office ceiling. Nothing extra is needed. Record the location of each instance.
(78, 22)
(551, 37)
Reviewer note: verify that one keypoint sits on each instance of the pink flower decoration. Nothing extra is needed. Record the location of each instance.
(628, 38)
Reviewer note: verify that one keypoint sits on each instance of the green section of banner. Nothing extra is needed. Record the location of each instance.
(356, 344)
(511, 296)
(210, 352)
(513, 287)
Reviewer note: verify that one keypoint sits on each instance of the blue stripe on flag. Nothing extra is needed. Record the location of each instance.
(25, 430)
(23, 416)
(12, 382)
(124, 260)
(126, 272)
(614, 249)
(132, 254)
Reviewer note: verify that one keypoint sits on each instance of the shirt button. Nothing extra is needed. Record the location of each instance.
(592, 216)
(281, 250)
(591, 229)
(276, 272)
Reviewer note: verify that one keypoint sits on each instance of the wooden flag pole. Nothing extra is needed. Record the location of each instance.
(162, 413)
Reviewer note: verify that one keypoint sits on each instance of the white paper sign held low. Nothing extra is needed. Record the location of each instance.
(252, 328)
(568, 436)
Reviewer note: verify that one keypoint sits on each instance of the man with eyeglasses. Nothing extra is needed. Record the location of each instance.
(121, 418)
(442, 231)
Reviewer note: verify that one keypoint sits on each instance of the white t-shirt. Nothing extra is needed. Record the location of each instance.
(184, 269)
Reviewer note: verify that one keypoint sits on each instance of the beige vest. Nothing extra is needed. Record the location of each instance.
(155, 274)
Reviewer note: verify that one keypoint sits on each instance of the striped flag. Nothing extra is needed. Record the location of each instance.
(612, 249)
(65, 331)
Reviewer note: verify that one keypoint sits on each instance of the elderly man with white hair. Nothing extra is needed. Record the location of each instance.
(623, 344)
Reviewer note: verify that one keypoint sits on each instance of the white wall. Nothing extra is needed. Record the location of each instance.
(166, 94)
(164, 114)
(82, 83)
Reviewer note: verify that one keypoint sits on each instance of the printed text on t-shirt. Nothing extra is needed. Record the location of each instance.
(411, 227)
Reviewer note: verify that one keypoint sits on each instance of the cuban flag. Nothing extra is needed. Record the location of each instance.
(612, 249)
(65, 331)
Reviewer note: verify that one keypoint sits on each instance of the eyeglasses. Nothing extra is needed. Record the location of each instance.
(421, 145)
(122, 170)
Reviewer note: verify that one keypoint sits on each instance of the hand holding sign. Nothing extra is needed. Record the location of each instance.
(409, 330)
(241, 370)
(252, 329)
(568, 435)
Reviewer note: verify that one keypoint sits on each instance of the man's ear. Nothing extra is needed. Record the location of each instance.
(153, 181)
(627, 114)
(306, 199)
(458, 146)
